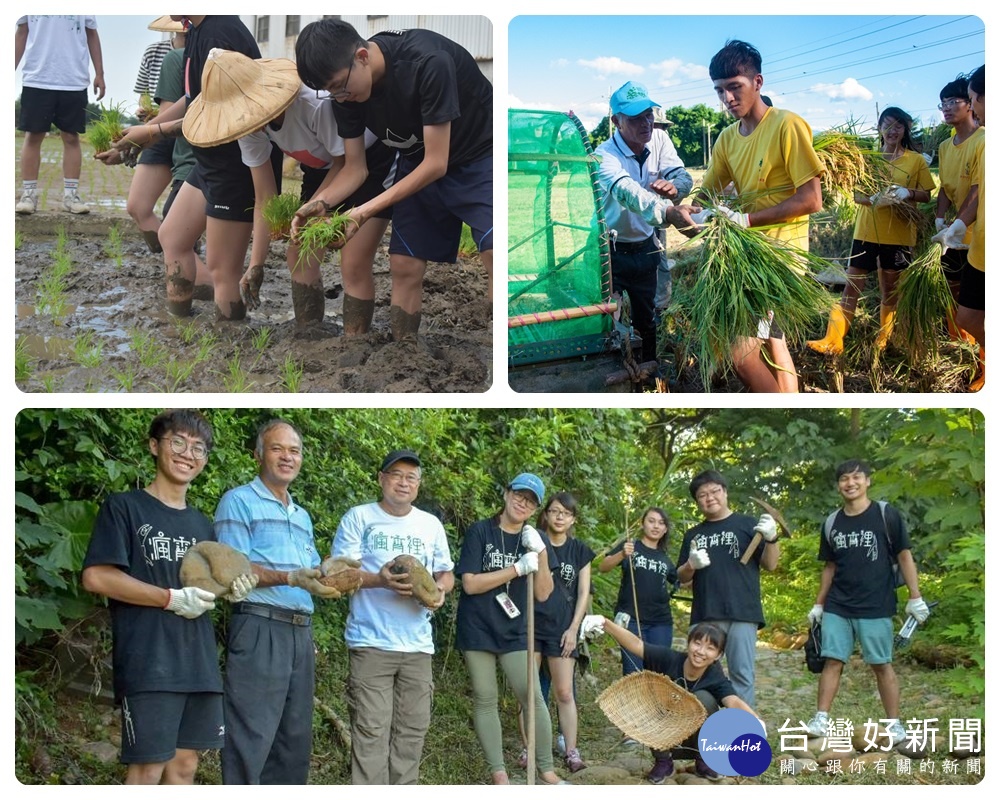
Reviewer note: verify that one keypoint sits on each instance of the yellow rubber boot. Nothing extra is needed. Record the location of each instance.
(833, 343)
(958, 334)
(888, 319)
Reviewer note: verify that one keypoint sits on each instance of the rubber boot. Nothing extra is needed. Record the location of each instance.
(957, 334)
(152, 241)
(980, 380)
(836, 328)
(887, 316)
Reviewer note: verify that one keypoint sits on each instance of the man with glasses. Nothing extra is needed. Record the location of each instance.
(424, 96)
(388, 633)
(725, 590)
(270, 660)
(166, 668)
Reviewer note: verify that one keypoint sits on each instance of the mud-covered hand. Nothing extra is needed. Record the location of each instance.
(815, 615)
(190, 602)
(109, 157)
(526, 564)
(591, 627)
(314, 208)
(241, 587)
(308, 578)
(699, 559)
(532, 539)
(766, 527)
(917, 608)
(355, 219)
(250, 285)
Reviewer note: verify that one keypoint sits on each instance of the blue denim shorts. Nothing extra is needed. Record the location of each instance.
(840, 634)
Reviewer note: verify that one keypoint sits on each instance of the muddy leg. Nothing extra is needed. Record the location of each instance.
(152, 241)
(356, 260)
(309, 302)
(407, 294)
(404, 326)
(178, 234)
(358, 315)
(226, 250)
(179, 290)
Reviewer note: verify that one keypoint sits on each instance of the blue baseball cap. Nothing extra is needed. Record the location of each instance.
(530, 482)
(631, 100)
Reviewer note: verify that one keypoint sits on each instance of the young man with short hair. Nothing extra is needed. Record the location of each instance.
(768, 155)
(857, 593)
(424, 96)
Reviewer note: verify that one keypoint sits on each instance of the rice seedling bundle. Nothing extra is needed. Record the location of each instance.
(741, 276)
(320, 233)
(278, 213)
(923, 302)
(149, 108)
(107, 128)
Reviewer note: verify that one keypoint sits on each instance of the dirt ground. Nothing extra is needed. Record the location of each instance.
(103, 326)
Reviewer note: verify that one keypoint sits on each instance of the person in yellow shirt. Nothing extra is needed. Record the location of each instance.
(955, 157)
(768, 155)
(883, 236)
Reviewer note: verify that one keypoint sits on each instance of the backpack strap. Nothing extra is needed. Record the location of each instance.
(828, 527)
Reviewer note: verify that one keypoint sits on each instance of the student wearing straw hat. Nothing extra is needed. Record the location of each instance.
(424, 96)
(217, 198)
(300, 122)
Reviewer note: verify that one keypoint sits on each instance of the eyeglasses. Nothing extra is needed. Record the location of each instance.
(560, 513)
(180, 446)
(709, 493)
(525, 498)
(947, 105)
(343, 92)
(402, 477)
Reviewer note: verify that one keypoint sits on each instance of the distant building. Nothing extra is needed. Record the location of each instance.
(276, 33)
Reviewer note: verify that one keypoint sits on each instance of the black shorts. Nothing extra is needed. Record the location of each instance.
(228, 188)
(871, 256)
(972, 293)
(954, 262)
(160, 153)
(551, 647)
(380, 161)
(43, 108)
(428, 225)
(156, 724)
(175, 187)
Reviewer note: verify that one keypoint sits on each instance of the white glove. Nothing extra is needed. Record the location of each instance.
(815, 614)
(241, 587)
(899, 194)
(917, 608)
(766, 527)
(591, 627)
(741, 219)
(939, 224)
(532, 539)
(953, 236)
(699, 559)
(703, 216)
(190, 602)
(526, 563)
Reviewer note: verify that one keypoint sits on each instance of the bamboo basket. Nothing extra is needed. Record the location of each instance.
(652, 709)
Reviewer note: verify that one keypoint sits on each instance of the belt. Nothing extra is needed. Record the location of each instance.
(273, 612)
(650, 245)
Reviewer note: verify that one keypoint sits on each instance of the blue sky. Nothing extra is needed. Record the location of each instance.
(828, 69)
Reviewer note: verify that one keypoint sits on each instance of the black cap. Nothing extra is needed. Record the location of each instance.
(399, 455)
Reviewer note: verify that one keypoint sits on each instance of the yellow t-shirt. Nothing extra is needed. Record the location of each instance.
(883, 225)
(977, 246)
(767, 167)
(954, 169)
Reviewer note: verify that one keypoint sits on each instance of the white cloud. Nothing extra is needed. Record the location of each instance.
(611, 65)
(673, 71)
(849, 89)
(560, 63)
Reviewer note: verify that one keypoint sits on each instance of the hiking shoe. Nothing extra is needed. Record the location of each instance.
(522, 760)
(561, 744)
(74, 205)
(702, 770)
(28, 204)
(896, 732)
(662, 769)
(574, 763)
(819, 724)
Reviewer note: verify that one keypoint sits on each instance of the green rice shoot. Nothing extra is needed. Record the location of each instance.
(923, 303)
(147, 105)
(107, 128)
(278, 213)
(319, 233)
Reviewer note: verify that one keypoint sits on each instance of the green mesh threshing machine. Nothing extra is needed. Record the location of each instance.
(562, 331)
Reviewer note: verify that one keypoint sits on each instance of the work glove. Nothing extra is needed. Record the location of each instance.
(741, 219)
(526, 563)
(917, 608)
(952, 236)
(591, 627)
(308, 578)
(241, 587)
(766, 527)
(815, 615)
(532, 539)
(703, 216)
(190, 602)
(899, 194)
(939, 224)
(699, 559)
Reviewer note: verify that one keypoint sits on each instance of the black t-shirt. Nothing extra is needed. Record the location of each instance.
(554, 615)
(655, 577)
(481, 623)
(229, 33)
(725, 589)
(662, 659)
(863, 585)
(154, 650)
(429, 80)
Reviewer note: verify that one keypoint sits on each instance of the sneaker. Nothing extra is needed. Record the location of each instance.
(662, 769)
(574, 763)
(819, 724)
(630, 743)
(702, 770)
(522, 760)
(74, 205)
(28, 204)
(896, 732)
(561, 744)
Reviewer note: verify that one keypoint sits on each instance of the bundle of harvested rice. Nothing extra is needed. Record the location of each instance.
(107, 128)
(320, 233)
(923, 304)
(147, 107)
(278, 213)
(741, 276)
(849, 162)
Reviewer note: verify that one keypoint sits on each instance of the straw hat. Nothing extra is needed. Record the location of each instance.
(166, 25)
(652, 709)
(238, 96)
